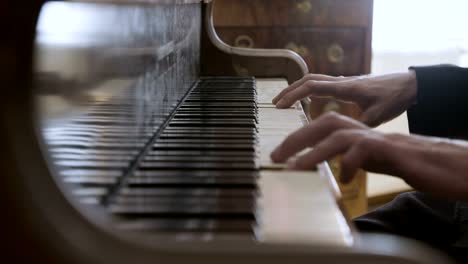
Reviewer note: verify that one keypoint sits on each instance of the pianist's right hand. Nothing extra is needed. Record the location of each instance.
(381, 98)
(429, 164)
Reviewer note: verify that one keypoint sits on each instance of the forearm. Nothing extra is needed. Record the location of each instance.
(441, 108)
(431, 165)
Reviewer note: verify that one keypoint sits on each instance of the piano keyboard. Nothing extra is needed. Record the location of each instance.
(207, 171)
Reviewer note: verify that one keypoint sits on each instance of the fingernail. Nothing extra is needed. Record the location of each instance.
(291, 165)
(281, 104)
(275, 155)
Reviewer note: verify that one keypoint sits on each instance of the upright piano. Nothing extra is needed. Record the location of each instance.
(121, 144)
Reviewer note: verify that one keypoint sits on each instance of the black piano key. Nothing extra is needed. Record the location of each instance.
(201, 147)
(237, 79)
(226, 82)
(188, 225)
(206, 134)
(214, 93)
(105, 129)
(212, 123)
(230, 105)
(211, 112)
(90, 140)
(104, 133)
(182, 210)
(209, 89)
(91, 192)
(114, 103)
(115, 118)
(95, 134)
(234, 80)
(92, 180)
(127, 123)
(98, 130)
(193, 141)
(192, 181)
(217, 159)
(188, 192)
(119, 113)
(195, 173)
(90, 200)
(221, 94)
(200, 94)
(203, 130)
(68, 156)
(147, 207)
(223, 100)
(186, 165)
(142, 200)
(214, 115)
(198, 152)
(69, 150)
(86, 172)
(92, 164)
(213, 120)
(181, 135)
(95, 145)
(233, 83)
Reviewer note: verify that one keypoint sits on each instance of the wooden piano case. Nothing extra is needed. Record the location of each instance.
(153, 44)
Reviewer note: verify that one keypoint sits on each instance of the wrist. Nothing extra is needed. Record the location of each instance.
(412, 87)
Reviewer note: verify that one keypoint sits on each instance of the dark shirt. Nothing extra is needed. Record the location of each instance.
(441, 110)
(442, 103)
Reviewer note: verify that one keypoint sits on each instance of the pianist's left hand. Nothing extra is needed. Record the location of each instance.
(428, 164)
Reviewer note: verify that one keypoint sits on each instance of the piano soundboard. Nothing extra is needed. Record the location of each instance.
(205, 173)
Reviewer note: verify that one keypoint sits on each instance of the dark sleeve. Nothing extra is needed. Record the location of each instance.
(442, 103)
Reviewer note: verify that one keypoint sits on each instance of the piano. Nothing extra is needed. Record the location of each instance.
(124, 141)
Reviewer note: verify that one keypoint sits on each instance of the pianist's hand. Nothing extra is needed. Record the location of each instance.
(381, 98)
(428, 164)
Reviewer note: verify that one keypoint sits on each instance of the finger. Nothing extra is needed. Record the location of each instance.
(313, 133)
(336, 144)
(370, 117)
(308, 77)
(353, 160)
(338, 89)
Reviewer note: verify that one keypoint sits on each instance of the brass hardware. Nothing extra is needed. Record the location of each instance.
(304, 6)
(301, 50)
(334, 166)
(240, 70)
(335, 53)
(332, 106)
(244, 41)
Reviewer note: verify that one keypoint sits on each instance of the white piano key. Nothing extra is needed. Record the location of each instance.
(267, 89)
(274, 126)
(298, 206)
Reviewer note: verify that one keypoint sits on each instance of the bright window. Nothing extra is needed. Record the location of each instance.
(419, 32)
